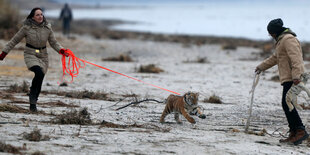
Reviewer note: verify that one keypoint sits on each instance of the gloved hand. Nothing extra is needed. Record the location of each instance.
(63, 52)
(257, 70)
(2, 55)
(296, 81)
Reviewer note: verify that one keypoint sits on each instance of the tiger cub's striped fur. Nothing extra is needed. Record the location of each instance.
(186, 105)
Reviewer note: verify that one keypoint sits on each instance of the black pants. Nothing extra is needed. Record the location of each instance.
(294, 121)
(36, 84)
(66, 27)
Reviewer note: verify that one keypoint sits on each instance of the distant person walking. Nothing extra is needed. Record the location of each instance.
(288, 57)
(66, 17)
(37, 32)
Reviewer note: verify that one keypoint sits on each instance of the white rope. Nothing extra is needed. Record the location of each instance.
(295, 90)
(255, 82)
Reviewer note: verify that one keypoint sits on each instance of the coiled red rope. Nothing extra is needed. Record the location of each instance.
(72, 67)
(74, 63)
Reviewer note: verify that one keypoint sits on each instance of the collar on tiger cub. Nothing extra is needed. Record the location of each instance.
(189, 98)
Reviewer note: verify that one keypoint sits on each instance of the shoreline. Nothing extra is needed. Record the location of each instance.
(101, 29)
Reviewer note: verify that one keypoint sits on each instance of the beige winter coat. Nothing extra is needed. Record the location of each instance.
(36, 35)
(288, 57)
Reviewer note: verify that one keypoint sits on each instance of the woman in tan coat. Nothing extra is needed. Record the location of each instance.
(37, 32)
(288, 57)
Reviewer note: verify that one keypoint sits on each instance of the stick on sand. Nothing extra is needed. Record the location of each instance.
(255, 82)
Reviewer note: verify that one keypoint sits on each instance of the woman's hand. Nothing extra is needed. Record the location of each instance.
(2, 55)
(63, 52)
(257, 70)
(296, 81)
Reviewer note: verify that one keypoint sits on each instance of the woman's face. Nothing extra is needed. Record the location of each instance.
(38, 16)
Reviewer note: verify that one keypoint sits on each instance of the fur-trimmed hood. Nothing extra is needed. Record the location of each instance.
(32, 23)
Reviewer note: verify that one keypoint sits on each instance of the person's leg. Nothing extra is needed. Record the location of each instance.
(297, 129)
(293, 118)
(36, 85)
(66, 26)
(292, 132)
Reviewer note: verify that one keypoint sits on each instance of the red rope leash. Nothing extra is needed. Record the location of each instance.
(74, 64)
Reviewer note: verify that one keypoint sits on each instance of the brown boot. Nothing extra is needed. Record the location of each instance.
(300, 136)
(289, 138)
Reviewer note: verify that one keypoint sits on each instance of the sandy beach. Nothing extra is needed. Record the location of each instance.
(227, 74)
(209, 65)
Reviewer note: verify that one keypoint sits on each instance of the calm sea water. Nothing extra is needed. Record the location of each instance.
(234, 18)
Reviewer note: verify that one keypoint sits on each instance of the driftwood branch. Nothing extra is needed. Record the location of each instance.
(137, 102)
(110, 106)
(135, 125)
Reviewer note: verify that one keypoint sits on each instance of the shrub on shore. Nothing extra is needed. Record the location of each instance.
(17, 109)
(275, 78)
(306, 51)
(213, 99)
(12, 108)
(74, 117)
(106, 124)
(229, 47)
(9, 148)
(35, 136)
(198, 60)
(38, 153)
(9, 20)
(121, 58)
(266, 49)
(84, 94)
(15, 88)
(151, 68)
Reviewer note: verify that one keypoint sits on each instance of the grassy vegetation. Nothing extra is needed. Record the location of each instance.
(213, 99)
(275, 78)
(9, 148)
(198, 60)
(120, 58)
(81, 94)
(229, 47)
(74, 117)
(9, 20)
(15, 88)
(151, 68)
(35, 136)
(12, 108)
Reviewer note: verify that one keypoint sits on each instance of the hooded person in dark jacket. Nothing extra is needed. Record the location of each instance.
(288, 57)
(66, 17)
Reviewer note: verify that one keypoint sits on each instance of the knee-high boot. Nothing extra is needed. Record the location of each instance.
(35, 88)
(33, 99)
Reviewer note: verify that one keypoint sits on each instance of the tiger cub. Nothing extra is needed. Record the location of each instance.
(186, 105)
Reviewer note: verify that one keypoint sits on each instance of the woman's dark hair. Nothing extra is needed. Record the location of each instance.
(33, 12)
